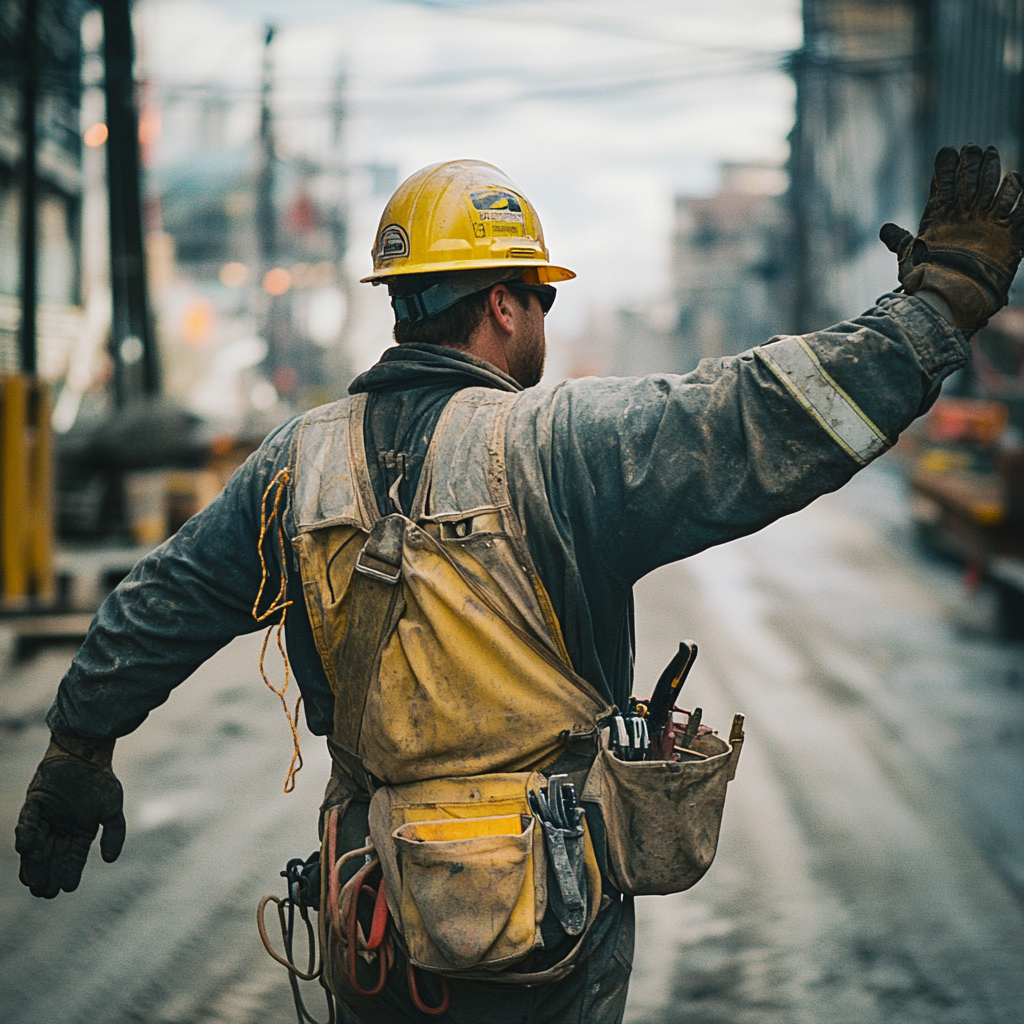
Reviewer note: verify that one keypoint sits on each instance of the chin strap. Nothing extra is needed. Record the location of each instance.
(451, 289)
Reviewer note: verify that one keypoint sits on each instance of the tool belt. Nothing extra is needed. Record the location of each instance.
(469, 865)
(455, 873)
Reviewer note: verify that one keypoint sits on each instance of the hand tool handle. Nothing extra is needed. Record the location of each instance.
(659, 710)
(555, 800)
(691, 728)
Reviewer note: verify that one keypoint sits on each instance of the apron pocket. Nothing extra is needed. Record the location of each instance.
(468, 883)
(465, 868)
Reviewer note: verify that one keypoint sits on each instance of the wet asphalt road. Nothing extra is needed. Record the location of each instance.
(871, 866)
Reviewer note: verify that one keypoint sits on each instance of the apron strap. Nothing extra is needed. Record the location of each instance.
(374, 594)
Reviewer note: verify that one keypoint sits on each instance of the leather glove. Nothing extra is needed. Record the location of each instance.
(73, 792)
(970, 238)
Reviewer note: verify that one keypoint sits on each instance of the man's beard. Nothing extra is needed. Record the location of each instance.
(526, 363)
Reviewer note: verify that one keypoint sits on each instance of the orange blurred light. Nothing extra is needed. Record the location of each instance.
(95, 135)
(196, 323)
(234, 275)
(222, 444)
(277, 281)
(974, 420)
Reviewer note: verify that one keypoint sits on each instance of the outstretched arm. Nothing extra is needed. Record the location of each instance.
(653, 470)
(177, 607)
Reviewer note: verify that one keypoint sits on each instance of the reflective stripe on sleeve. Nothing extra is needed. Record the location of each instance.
(794, 363)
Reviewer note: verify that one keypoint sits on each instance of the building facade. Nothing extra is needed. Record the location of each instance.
(730, 264)
(881, 86)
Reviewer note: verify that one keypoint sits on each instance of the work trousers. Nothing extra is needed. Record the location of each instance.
(593, 993)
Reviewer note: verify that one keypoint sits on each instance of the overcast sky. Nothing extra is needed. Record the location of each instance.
(600, 110)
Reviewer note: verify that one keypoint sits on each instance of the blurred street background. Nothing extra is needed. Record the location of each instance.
(189, 191)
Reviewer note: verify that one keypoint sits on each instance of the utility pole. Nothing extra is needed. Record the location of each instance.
(266, 222)
(30, 184)
(136, 364)
(26, 484)
(336, 362)
(801, 183)
(339, 219)
(274, 328)
(925, 117)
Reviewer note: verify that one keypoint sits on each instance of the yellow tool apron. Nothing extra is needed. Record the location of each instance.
(452, 683)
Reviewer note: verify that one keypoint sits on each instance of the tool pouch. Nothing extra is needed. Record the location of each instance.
(465, 869)
(662, 818)
(567, 876)
(466, 873)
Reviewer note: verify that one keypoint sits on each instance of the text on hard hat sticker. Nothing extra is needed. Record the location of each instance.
(496, 199)
(497, 213)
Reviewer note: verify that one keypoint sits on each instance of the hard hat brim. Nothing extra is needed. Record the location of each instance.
(547, 273)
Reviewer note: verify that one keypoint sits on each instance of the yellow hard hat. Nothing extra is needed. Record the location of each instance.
(460, 215)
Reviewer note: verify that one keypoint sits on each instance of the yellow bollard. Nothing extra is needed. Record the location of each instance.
(26, 493)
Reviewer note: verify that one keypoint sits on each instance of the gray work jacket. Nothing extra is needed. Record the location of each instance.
(610, 478)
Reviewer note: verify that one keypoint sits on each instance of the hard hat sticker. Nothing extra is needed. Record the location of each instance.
(393, 243)
(497, 213)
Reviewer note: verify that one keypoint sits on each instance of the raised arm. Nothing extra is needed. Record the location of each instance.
(650, 470)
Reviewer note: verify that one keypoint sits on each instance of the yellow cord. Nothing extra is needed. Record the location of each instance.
(279, 604)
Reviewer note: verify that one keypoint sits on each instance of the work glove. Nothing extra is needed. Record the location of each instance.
(73, 792)
(970, 238)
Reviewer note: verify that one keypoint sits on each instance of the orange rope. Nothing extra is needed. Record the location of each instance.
(278, 604)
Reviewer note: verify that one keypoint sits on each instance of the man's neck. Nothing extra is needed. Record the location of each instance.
(485, 343)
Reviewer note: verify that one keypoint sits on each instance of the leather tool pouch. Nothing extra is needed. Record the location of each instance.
(449, 848)
(662, 818)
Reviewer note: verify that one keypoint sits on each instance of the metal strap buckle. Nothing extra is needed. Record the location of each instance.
(378, 574)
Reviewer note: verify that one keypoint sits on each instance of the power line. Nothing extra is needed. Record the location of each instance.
(627, 79)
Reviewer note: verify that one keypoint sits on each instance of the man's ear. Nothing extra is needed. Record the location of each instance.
(499, 302)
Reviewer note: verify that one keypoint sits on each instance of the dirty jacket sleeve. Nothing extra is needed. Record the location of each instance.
(649, 470)
(180, 605)
(615, 477)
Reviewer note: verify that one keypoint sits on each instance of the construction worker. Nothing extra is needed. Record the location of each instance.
(534, 511)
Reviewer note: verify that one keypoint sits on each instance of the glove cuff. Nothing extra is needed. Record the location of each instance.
(971, 301)
(96, 752)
